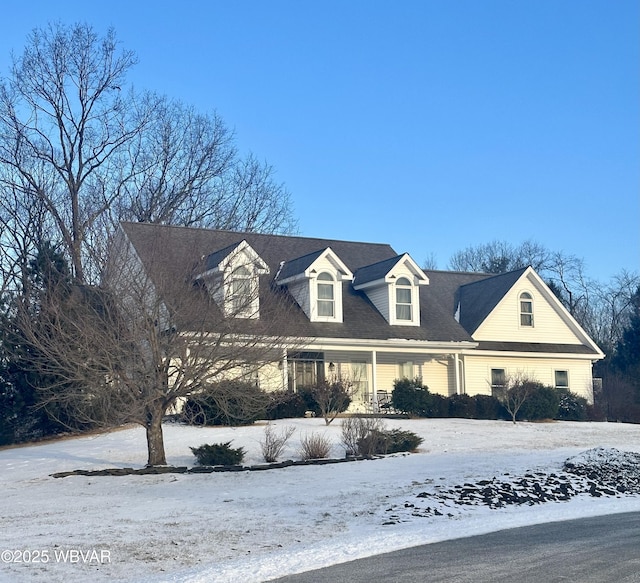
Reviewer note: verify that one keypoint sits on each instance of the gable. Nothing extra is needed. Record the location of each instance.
(552, 324)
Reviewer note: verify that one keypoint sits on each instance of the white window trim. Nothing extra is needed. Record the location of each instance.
(522, 313)
(393, 302)
(314, 282)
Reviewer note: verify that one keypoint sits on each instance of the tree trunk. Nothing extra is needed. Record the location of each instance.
(155, 439)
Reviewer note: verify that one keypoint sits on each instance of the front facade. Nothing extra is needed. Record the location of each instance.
(364, 313)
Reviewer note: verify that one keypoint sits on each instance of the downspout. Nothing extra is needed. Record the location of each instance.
(456, 365)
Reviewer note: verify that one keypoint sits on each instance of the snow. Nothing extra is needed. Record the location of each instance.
(256, 526)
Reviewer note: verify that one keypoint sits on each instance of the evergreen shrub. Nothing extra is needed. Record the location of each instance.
(542, 403)
(218, 454)
(229, 402)
(286, 405)
(488, 407)
(572, 407)
(462, 406)
(412, 397)
(383, 441)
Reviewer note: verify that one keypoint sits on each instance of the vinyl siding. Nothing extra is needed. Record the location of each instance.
(504, 322)
(379, 297)
(478, 372)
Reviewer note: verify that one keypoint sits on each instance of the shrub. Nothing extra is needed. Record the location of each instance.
(229, 402)
(355, 430)
(315, 446)
(412, 397)
(462, 406)
(285, 405)
(438, 406)
(274, 443)
(487, 407)
(541, 403)
(218, 454)
(379, 442)
(572, 407)
(399, 440)
(327, 398)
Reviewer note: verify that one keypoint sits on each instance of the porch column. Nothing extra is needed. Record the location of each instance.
(285, 371)
(456, 364)
(374, 379)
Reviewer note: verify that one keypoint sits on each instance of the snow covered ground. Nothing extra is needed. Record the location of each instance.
(255, 526)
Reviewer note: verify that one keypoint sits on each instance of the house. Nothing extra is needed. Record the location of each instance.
(364, 312)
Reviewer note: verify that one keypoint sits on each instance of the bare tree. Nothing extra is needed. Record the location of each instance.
(152, 337)
(516, 391)
(79, 143)
(333, 396)
(64, 120)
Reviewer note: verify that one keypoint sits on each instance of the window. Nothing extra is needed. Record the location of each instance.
(305, 370)
(405, 370)
(498, 381)
(241, 292)
(562, 379)
(403, 299)
(326, 298)
(360, 379)
(526, 309)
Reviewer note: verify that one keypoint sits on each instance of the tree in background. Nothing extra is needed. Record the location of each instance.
(78, 144)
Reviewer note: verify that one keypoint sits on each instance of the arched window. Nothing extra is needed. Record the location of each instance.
(403, 300)
(326, 296)
(526, 309)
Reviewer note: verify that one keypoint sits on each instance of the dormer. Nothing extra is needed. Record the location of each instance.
(315, 281)
(393, 286)
(232, 278)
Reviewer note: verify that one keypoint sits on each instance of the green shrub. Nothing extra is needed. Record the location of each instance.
(355, 430)
(229, 402)
(488, 407)
(286, 405)
(382, 441)
(218, 454)
(462, 406)
(438, 406)
(412, 397)
(541, 403)
(572, 407)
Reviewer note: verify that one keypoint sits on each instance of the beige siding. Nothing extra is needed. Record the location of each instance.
(504, 322)
(478, 372)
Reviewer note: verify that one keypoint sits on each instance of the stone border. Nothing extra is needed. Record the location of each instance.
(151, 470)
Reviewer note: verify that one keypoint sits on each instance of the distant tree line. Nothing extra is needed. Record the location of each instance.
(608, 311)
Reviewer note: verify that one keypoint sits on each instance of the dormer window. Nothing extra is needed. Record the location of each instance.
(393, 286)
(315, 281)
(526, 309)
(326, 296)
(242, 292)
(231, 277)
(403, 300)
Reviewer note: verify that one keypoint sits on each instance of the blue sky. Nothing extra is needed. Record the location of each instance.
(431, 125)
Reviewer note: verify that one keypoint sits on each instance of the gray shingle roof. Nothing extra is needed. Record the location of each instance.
(479, 298)
(298, 265)
(180, 247)
(375, 271)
